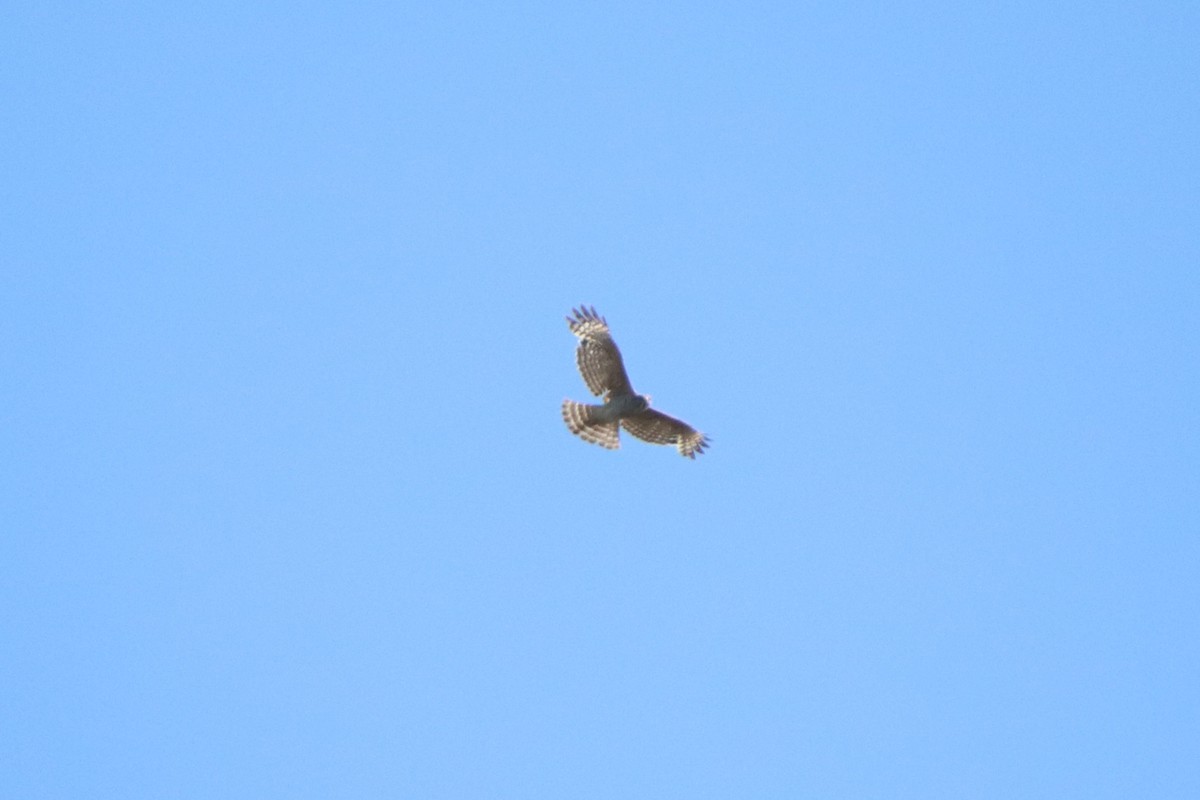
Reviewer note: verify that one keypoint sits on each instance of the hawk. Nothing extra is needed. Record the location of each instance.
(600, 365)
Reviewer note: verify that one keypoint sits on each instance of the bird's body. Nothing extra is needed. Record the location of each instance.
(616, 409)
(603, 371)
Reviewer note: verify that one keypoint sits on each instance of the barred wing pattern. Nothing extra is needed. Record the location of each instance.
(598, 358)
(658, 428)
(600, 364)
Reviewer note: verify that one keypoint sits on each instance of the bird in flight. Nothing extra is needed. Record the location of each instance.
(600, 365)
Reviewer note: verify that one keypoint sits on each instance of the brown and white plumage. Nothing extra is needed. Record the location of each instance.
(658, 428)
(598, 358)
(580, 422)
(600, 364)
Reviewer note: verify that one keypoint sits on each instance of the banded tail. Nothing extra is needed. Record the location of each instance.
(584, 421)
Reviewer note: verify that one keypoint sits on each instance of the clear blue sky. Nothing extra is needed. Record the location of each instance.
(288, 507)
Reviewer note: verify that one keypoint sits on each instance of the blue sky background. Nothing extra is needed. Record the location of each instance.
(289, 509)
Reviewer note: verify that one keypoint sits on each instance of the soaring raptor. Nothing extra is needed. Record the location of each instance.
(600, 365)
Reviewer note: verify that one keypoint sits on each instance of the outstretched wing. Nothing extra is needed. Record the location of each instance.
(658, 428)
(598, 358)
